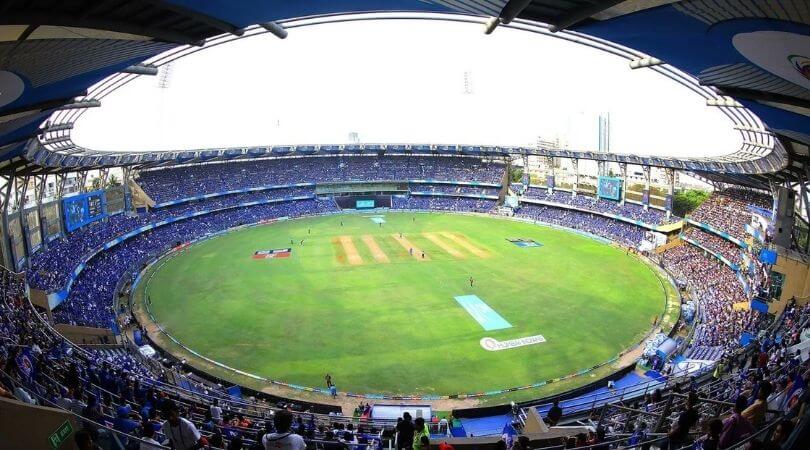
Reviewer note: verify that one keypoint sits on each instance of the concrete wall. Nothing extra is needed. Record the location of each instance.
(671, 244)
(85, 335)
(28, 427)
(39, 298)
(797, 281)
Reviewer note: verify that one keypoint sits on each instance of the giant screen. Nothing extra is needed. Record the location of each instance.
(81, 209)
(610, 188)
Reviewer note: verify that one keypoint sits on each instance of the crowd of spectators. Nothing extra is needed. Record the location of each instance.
(175, 183)
(633, 211)
(115, 389)
(90, 300)
(747, 392)
(113, 392)
(727, 249)
(729, 210)
(51, 266)
(454, 189)
(622, 232)
(454, 204)
(717, 290)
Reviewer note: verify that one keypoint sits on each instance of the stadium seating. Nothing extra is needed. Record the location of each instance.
(104, 386)
(728, 210)
(633, 211)
(90, 300)
(624, 233)
(176, 183)
(717, 290)
(459, 204)
(97, 383)
(716, 244)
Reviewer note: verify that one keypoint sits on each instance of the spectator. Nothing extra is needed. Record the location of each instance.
(756, 412)
(179, 431)
(679, 433)
(283, 438)
(711, 441)
(84, 440)
(555, 413)
(736, 427)
(235, 444)
(420, 434)
(405, 431)
(216, 412)
(148, 441)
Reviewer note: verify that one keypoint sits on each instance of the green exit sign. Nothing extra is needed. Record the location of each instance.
(61, 434)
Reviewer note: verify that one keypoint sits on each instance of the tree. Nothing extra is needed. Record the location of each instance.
(113, 180)
(515, 174)
(687, 200)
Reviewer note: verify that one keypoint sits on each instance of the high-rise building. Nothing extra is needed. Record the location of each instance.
(604, 133)
(468, 82)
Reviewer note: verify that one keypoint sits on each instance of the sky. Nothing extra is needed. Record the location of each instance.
(404, 82)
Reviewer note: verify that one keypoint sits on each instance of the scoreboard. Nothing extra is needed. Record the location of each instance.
(364, 204)
(610, 188)
(81, 209)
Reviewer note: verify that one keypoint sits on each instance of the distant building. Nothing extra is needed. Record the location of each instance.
(468, 83)
(604, 133)
(604, 140)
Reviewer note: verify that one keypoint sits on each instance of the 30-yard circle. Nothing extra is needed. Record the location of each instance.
(400, 303)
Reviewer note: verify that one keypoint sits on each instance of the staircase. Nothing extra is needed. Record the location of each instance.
(140, 199)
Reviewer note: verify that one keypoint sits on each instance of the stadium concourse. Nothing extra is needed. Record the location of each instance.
(120, 395)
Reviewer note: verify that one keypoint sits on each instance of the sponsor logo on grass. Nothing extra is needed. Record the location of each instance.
(525, 243)
(275, 253)
(494, 345)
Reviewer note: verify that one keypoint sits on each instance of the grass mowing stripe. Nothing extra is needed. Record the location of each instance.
(396, 328)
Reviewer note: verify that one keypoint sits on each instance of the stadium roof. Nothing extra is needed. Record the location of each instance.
(758, 53)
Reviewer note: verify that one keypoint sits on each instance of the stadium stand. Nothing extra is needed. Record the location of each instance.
(176, 183)
(729, 210)
(716, 244)
(624, 233)
(115, 384)
(118, 396)
(629, 210)
(62, 57)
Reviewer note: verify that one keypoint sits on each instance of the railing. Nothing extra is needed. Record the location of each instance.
(111, 439)
(632, 390)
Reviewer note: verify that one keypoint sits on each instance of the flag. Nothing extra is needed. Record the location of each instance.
(26, 364)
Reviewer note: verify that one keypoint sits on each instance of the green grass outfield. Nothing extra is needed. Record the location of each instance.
(395, 328)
